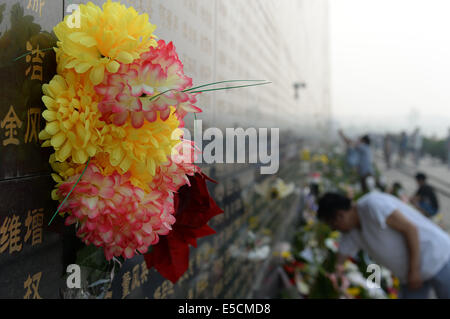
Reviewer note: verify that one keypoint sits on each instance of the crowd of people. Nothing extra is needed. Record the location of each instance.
(403, 145)
(396, 232)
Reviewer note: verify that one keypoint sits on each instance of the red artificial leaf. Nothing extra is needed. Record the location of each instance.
(195, 202)
(194, 208)
(170, 257)
(190, 235)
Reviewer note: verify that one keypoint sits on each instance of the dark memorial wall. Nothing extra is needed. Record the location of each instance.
(30, 254)
(34, 257)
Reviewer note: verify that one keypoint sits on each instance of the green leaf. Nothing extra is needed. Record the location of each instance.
(92, 257)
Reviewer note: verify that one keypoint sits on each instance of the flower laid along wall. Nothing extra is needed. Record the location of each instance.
(114, 114)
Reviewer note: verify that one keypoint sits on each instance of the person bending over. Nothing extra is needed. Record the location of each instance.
(394, 235)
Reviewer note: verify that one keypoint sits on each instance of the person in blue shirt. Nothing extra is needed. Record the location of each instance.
(425, 199)
(365, 160)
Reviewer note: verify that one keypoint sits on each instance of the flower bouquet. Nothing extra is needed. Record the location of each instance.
(115, 109)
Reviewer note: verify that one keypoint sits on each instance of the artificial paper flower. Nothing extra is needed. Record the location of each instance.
(194, 208)
(114, 214)
(128, 93)
(74, 128)
(175, 173)
(354, 291)
(144, 149)
(102, 39)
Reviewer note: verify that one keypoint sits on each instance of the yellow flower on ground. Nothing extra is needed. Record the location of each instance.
(286, 254)
(334, 234)
(92, 39)
(309, 224)
(354, 291)
(396, 282)
(324, 159)
(305, 155)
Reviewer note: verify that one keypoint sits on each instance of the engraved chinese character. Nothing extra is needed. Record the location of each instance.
(10, 235)
(157, 294)
(32, 286)
(36, 5)
(191, 267)
(167, 289)
(36, 57)
(108, 294)
(190, 293)
(33, 124)
(199, 258)
(34, 223)
(14, 235)
(126, 284)
(144, 272)
(11, 122)
(135, 282)
(4, 235)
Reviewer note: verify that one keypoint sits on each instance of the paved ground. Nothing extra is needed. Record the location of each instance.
(439, 178)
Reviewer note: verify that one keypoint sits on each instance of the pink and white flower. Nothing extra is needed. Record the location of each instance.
(174, 174)
(114, 214)
(128, 92)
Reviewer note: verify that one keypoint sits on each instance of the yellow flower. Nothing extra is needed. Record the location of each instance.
(141, 150)
(355, 291)
(396, 282)
(286, 254)
(102, 39)
(75, 131)
(305, 155)
(309, 224)
(334, 234)
(73, 121)
(324, 159)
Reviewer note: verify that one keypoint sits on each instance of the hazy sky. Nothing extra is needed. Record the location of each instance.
(391, 64)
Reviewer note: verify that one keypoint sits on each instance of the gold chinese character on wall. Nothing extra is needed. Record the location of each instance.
(10, 235)
(135, 283)
(109, 293)
(144, 272)
(36, 59)
(34, 223)
(126, 284)
(10, 123)
(32, 286)
(33, 125)
(36, 5)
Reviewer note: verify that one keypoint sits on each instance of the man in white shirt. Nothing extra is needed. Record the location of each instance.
(394, 235)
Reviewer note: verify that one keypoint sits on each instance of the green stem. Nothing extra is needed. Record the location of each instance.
(62, 203)
(220, 82)
(204, 85)
(231, 87)
(24, 55)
